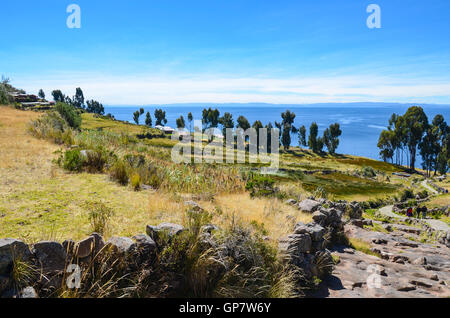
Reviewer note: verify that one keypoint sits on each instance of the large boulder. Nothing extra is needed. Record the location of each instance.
(295, 244)
(319, 217)
(91, 245)
(50, 255)
(313, 229)
(120, 245)
(144, 248)
(164, 231)
(309, 206)
(11, 249)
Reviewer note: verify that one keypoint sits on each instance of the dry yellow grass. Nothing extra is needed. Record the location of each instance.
(38, 200)
(277, 218)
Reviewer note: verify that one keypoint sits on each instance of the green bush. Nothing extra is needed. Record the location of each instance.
(70, 114)
(136, 181)
(73, 160)
(119, 173)
(95, 160)
(99, 216)
(368, 172)
(260, 185)
(406, 194)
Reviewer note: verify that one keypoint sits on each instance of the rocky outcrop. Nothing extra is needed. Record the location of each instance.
(309, 206)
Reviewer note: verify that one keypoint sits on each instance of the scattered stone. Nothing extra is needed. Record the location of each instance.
(309, 205)
(145, 243)
(357, 222)
(420, 283)
(433, 277)
(379, 241)
(349, 250)
(406, 288)
(92, 244)
(400, 259)
(10, 249)
(291, 202)
(209, 228)
(193, 205)
(50, 255)
(319, 217)
(28, 292)
(409, 244)
(169, 229)
(120, 245)
(315, 230)
(420, 261)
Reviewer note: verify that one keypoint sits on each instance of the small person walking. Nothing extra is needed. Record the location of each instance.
(409, 212)
(424, 212)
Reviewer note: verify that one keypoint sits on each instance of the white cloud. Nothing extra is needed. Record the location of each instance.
(117, 90)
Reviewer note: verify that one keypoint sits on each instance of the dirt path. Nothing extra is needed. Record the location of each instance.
(428, 187)
(437, 225)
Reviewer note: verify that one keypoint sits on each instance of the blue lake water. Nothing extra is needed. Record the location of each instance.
(361, 123)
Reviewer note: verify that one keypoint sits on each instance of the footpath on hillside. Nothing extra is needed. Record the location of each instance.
(436, 225)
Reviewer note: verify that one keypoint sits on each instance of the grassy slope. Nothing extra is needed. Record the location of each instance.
(39, 201)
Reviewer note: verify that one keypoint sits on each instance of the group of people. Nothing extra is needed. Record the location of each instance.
(410, 212)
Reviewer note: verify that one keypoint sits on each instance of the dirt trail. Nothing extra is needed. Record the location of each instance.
(437, 225)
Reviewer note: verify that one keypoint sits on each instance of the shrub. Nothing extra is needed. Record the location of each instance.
(136, 181)
(99, 216)
(95, 160)
(73, 160)
(119, 173)
(260, 185)
(406, 194)
(368, 172)
(70, 114)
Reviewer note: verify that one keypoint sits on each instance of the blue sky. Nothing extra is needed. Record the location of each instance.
(166, 51)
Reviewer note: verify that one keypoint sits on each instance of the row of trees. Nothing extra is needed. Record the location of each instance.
(211, 119)
(160, 117)
(408, 133)
(78, 101)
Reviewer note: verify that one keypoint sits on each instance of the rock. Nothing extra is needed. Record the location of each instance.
(92, 244)
(400, 259)
(10, 249)
(368, 222)
(120, 245)
(379, 241)
(193, 205)
(50, 255)
(357, 222)
(433, 277)
(208, 228)
(355, 210)
(169, 229)
(420, 261)
(28, 292)
(406, 288)
(409, 244)
(388, 227)
(313, 229)
(309, 205)
(290, 202)
(144, 249)
(349, 250)
(69, 246)
(319, 217)
(296, 244)
(420, 283)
